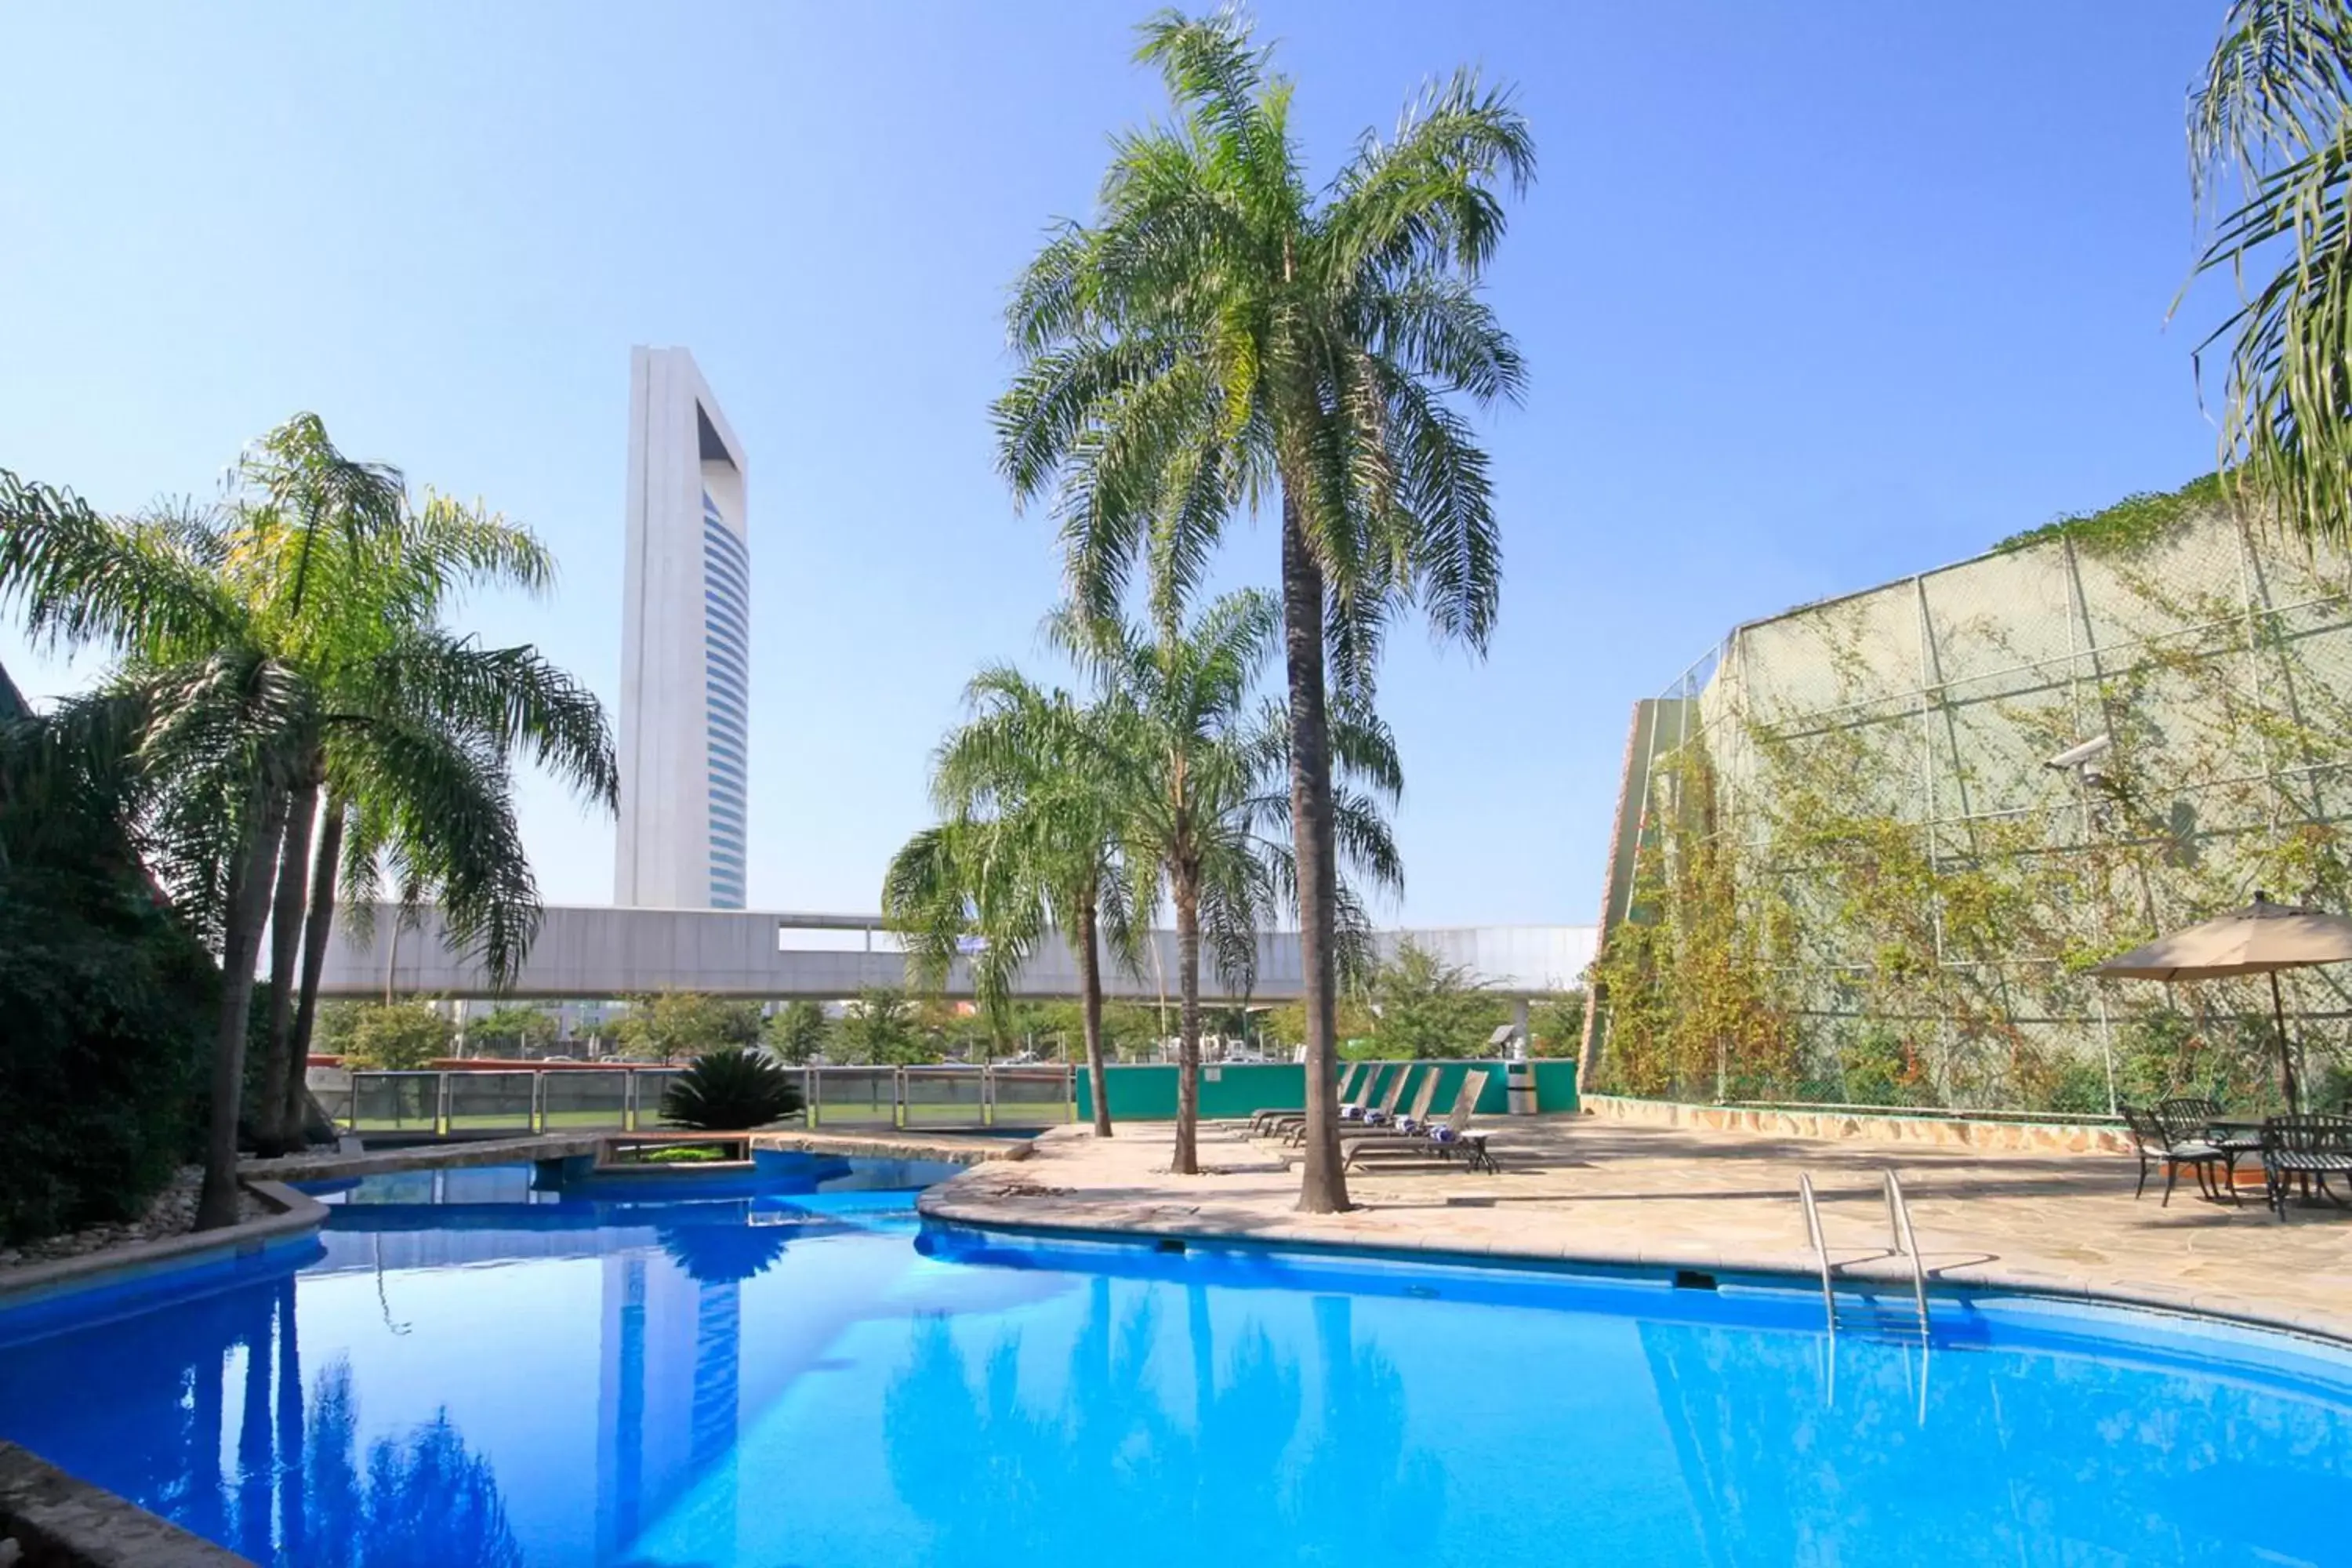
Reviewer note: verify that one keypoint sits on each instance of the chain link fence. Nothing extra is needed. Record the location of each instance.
(525, 1099)
(1881, 840)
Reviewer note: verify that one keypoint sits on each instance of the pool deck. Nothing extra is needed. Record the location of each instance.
(1584, 1189)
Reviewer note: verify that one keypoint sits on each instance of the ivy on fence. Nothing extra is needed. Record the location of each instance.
(1860, 880)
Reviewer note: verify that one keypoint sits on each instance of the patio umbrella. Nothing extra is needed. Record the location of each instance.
(2261, 939)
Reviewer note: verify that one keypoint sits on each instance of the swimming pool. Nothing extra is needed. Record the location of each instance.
(475, 1373)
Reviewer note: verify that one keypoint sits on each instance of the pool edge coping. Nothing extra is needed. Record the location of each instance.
(297, 1215)
(936, 1203)
(52, 1511)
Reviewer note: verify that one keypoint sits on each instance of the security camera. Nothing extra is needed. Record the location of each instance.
(2075, 757)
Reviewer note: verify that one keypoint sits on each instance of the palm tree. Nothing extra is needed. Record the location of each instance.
(1029, 791)
(281, 646)
(1206, 809)
(2271, 126)
(1222, 333)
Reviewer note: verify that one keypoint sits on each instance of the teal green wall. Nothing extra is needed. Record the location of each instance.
(1149, 1093)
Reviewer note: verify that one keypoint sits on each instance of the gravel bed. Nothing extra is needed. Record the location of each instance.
(172, 1213)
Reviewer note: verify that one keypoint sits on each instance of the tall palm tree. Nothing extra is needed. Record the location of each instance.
(1029, 791)
(2270, 132)
(1223, 334)
(349, 576)
(283, 644)
(1206, 808)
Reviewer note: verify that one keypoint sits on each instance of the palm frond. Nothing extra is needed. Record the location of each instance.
(79, 578)
(2285, 439)
(1427, 195)
(512, 697)
(441, 810)
(2274, 88)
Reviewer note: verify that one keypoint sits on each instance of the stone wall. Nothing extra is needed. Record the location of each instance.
(1884, 1127)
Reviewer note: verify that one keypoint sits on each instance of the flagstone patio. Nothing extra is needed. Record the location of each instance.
(1577, 1187)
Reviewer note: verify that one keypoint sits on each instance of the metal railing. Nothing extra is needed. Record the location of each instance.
(1907, 1243)
(1821, 1247)
(445, 1103)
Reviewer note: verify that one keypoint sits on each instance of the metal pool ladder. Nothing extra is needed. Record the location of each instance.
(1907, 1244)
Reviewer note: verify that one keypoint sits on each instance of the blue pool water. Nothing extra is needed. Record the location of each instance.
(471, 1371)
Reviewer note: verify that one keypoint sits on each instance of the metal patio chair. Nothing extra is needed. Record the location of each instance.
(2155, 1145)
(2190, 1118)
(2304, 1150)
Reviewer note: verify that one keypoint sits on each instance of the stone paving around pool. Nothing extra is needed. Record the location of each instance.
(1577, 1187)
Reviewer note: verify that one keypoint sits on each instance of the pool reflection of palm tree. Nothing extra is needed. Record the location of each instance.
(1181, 1457)
(727, 1251)
(424, 1501)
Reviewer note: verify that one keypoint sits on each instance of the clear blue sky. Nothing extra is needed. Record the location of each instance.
(1813, 294)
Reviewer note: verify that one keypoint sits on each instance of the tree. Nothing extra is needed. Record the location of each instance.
(396, 1037)
(2271, 125)
(1221, 333)
(1558, 1026)
(1428, 1008)
(1204, 811)
(1029, 788)
(336, 1023)
(668, 1024)
(1353, 1019)
(796, 1033)
(879, 1029)
(279, 649)
(1058, 1028)
(958, 1031)
(514, 1031)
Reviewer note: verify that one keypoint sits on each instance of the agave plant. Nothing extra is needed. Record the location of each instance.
(728, 1091)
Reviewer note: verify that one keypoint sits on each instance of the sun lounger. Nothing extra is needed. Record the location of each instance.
(1414, 1118)
(1379, 1115)
(1283, 1124)
(1261, 1121)
(1450, 1140)
(1292, 1126)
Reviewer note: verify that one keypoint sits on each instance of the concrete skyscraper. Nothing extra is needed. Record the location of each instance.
(686, 643)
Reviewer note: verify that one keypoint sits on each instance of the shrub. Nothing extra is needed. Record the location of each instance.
(730, 1090)
(109, 1005)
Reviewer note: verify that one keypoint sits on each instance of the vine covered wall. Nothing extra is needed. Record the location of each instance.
(1860, 880)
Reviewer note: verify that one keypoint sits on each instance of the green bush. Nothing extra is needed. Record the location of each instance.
(728, 1091)
(2331, 1087)
(108, 1005)
(396, 1037)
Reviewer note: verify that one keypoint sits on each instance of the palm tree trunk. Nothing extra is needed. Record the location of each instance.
(248, 903)
(1090, 1012)
(1323, 1188)
(275, 1134)
(1187, 1159)
(314, 952)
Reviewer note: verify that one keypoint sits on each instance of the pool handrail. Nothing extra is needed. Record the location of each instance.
(1906, 1242)
(1821, 1247)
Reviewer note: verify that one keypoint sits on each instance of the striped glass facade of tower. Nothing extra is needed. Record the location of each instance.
(685, 647)
(727, 684)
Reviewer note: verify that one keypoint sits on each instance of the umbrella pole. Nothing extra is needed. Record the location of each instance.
(2286, 1054)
